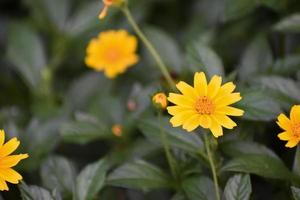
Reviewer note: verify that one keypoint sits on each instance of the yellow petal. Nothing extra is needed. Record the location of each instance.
(285, 136)
(3, 185)
(192, 123)
(284, 122)
(216, 129)
(180, 118)
(187, 90)
(205, 121)
(229, 99)
(181, 100)
(9, 147)
(11, 161)
(224, 121)
(231, 111)
(2, 137)
(295, 114)
(10, 175)
(174, 110)
(225, 90)
(214, 86)
(292, 143)
(200, 83)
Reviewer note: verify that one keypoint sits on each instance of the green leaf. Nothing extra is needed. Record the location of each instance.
(139, 175)
(202, 58)
(199, 188)
(58, 173)
(257, 56)
(238, 187)
(296, 193)
(90, 180)
(261, 165)
(35, 193)
(167, 48)
(25, 51)
(258, 106)
(235, 9)
(288, 65)
(84, 129)
(238, 148)
(176, 137)
(289, 24)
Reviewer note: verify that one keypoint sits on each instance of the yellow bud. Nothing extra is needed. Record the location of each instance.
(117, 130)
(160, 100)
(107, 4)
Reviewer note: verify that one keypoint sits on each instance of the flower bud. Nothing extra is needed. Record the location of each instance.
(107, 4)
(160, 100)
(117, 130)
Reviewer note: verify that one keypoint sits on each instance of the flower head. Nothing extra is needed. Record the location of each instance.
(7, 161)
(160, 100)
(290, 126)
(117, 130)
(112, 52)
(205, 105)
(107, 4)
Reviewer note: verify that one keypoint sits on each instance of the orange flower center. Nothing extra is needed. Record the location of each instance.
(112, 55)
(204, 106)
(296, 130)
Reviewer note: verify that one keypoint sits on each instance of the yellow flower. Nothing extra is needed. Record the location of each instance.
(290, 126)
(7, 161)
(205, 105)
(112, 52)
(117, 130)
(160, 100)
(107, 4)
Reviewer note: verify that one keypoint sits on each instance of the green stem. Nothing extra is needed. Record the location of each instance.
(150, 47)
(171, 160)
(212, 165)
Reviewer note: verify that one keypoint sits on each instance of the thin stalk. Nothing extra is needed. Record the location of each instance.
(212, 166)
(150, 47)
(171, 160)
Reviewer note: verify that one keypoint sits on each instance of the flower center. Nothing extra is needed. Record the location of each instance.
(205, 106)
(296, 130)
(112, 55)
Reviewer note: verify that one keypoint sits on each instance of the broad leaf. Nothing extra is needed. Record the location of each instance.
(289, 24)
(238, 187)
(199, 188)
(296, 193)
(286, 66)
(176, 137)
(35, 193)
(139, 175)
(90, 180)
(261, 165)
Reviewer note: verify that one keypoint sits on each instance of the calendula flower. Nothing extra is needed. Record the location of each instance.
(160, 100)
(112, 52)
(107, 4)
(7, 161)
(117, 130)
(290, 126)
(205, 105)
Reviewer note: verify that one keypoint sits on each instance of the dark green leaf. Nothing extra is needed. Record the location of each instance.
(202, 58)
(289, 24)
(238, 187)
(261, 165)
(58, 173)
(199, 188)
(235, 9)
(25, 51)
(35, 193)
(286, 66)
(139, 175)
(296, 193)
(90, 180)
(176, 137)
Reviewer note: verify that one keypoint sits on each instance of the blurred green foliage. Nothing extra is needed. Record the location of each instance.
(63, 112)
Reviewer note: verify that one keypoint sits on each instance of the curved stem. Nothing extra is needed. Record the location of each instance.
(212, 165)
(150, 47)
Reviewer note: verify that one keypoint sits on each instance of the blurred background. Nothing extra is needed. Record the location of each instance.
(63, 112)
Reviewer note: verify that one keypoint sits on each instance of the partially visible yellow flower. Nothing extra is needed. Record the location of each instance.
(290, 126)
(7, 161)
(117, 130)
(112, 52)
(160, 100)
(107, 4)
(206, 105)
